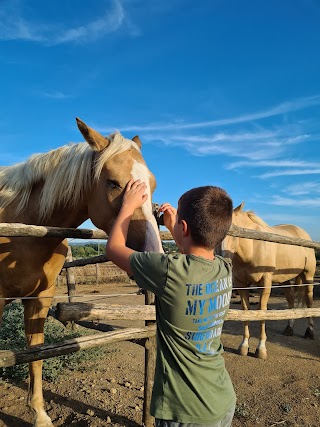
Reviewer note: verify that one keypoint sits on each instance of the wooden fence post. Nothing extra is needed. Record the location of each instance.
(150, 359)
(71, 284)
(70, 277)
(97, 274)
(150, 362)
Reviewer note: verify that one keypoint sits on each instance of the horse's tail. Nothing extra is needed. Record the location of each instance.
(300, 295)
(300, 291)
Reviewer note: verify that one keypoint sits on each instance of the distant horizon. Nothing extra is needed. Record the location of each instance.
(88, 242)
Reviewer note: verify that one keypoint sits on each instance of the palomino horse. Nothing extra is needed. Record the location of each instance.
(261, 263)
(63, 188)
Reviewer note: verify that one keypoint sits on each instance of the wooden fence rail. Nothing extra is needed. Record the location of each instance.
(23, 230)
(234, 231)
(86, 261)
(88, 311)
(11, 358)
(26, 230)
(77, 311)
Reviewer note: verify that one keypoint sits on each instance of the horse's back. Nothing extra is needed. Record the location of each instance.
(300, 251)
(291, 260)
(291, 230)
(283, 262)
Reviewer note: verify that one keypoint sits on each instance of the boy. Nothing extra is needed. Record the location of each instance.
(193, 289)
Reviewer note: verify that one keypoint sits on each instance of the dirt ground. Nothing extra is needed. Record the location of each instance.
(281, 391)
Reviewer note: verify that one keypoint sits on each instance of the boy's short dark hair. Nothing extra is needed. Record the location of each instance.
(208, 212)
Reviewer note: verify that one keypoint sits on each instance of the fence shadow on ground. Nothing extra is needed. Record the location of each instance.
(78, 407)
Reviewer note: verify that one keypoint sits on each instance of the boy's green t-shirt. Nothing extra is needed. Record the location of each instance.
(191, 384)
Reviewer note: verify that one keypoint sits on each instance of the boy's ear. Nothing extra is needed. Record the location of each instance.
(185, 228)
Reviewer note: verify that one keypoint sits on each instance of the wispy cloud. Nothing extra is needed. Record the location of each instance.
(109, 23)
(263, 147)
(302, 188)
(249, 147)
(55, 95)
(14, 27)
(255, 145)
(283, 108)
(274, 163)
(287, 218)
(285, 201)
(290, 172)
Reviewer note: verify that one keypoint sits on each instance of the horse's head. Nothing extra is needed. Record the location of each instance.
(117, 160)
(230, 244)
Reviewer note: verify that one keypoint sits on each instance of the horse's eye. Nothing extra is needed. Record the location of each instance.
(113, 184)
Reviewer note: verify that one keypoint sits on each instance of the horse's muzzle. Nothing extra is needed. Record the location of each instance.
(156, 213)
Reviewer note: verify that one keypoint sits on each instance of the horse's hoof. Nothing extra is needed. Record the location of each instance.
(243, 351)
(43, 421)
(288, 331)
(44, 424)
(261, 353)
(309, 335)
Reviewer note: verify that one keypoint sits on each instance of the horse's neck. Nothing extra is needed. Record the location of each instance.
(40, 250)
(67, 216)
(245, 221)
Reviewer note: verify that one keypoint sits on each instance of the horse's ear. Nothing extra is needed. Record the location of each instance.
(136, 139)
(238, 208)
(96, 141)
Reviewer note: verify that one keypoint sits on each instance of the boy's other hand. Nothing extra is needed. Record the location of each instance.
(134, 195)
(169, 215)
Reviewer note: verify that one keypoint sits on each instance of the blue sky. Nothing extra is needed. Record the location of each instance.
(220, 92)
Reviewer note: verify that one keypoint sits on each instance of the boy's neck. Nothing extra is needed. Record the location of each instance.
(199, 251)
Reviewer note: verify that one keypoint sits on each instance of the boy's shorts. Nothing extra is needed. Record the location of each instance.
(225, 422)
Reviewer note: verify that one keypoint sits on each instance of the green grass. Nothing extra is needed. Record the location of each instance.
(12, 337)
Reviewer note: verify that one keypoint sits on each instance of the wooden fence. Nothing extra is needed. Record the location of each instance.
(74, 311)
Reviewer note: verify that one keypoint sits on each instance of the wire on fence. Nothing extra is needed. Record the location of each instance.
(67, 296)
(137, 293)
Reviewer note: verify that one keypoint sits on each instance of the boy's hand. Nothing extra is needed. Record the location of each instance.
(134, 195)
(169, 215)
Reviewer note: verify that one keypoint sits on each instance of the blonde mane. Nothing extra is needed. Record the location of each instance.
(67, 173)
(256, 219)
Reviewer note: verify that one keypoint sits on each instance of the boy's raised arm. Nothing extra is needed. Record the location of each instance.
(169, 216)
(116, 249)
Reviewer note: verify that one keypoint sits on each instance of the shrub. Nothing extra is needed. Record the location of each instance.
(241, 411)
(12, 337)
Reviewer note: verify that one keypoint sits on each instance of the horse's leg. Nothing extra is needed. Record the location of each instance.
(245, 304)
(309, 301)
(290, 297)
(35, 313)
(265, 284)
